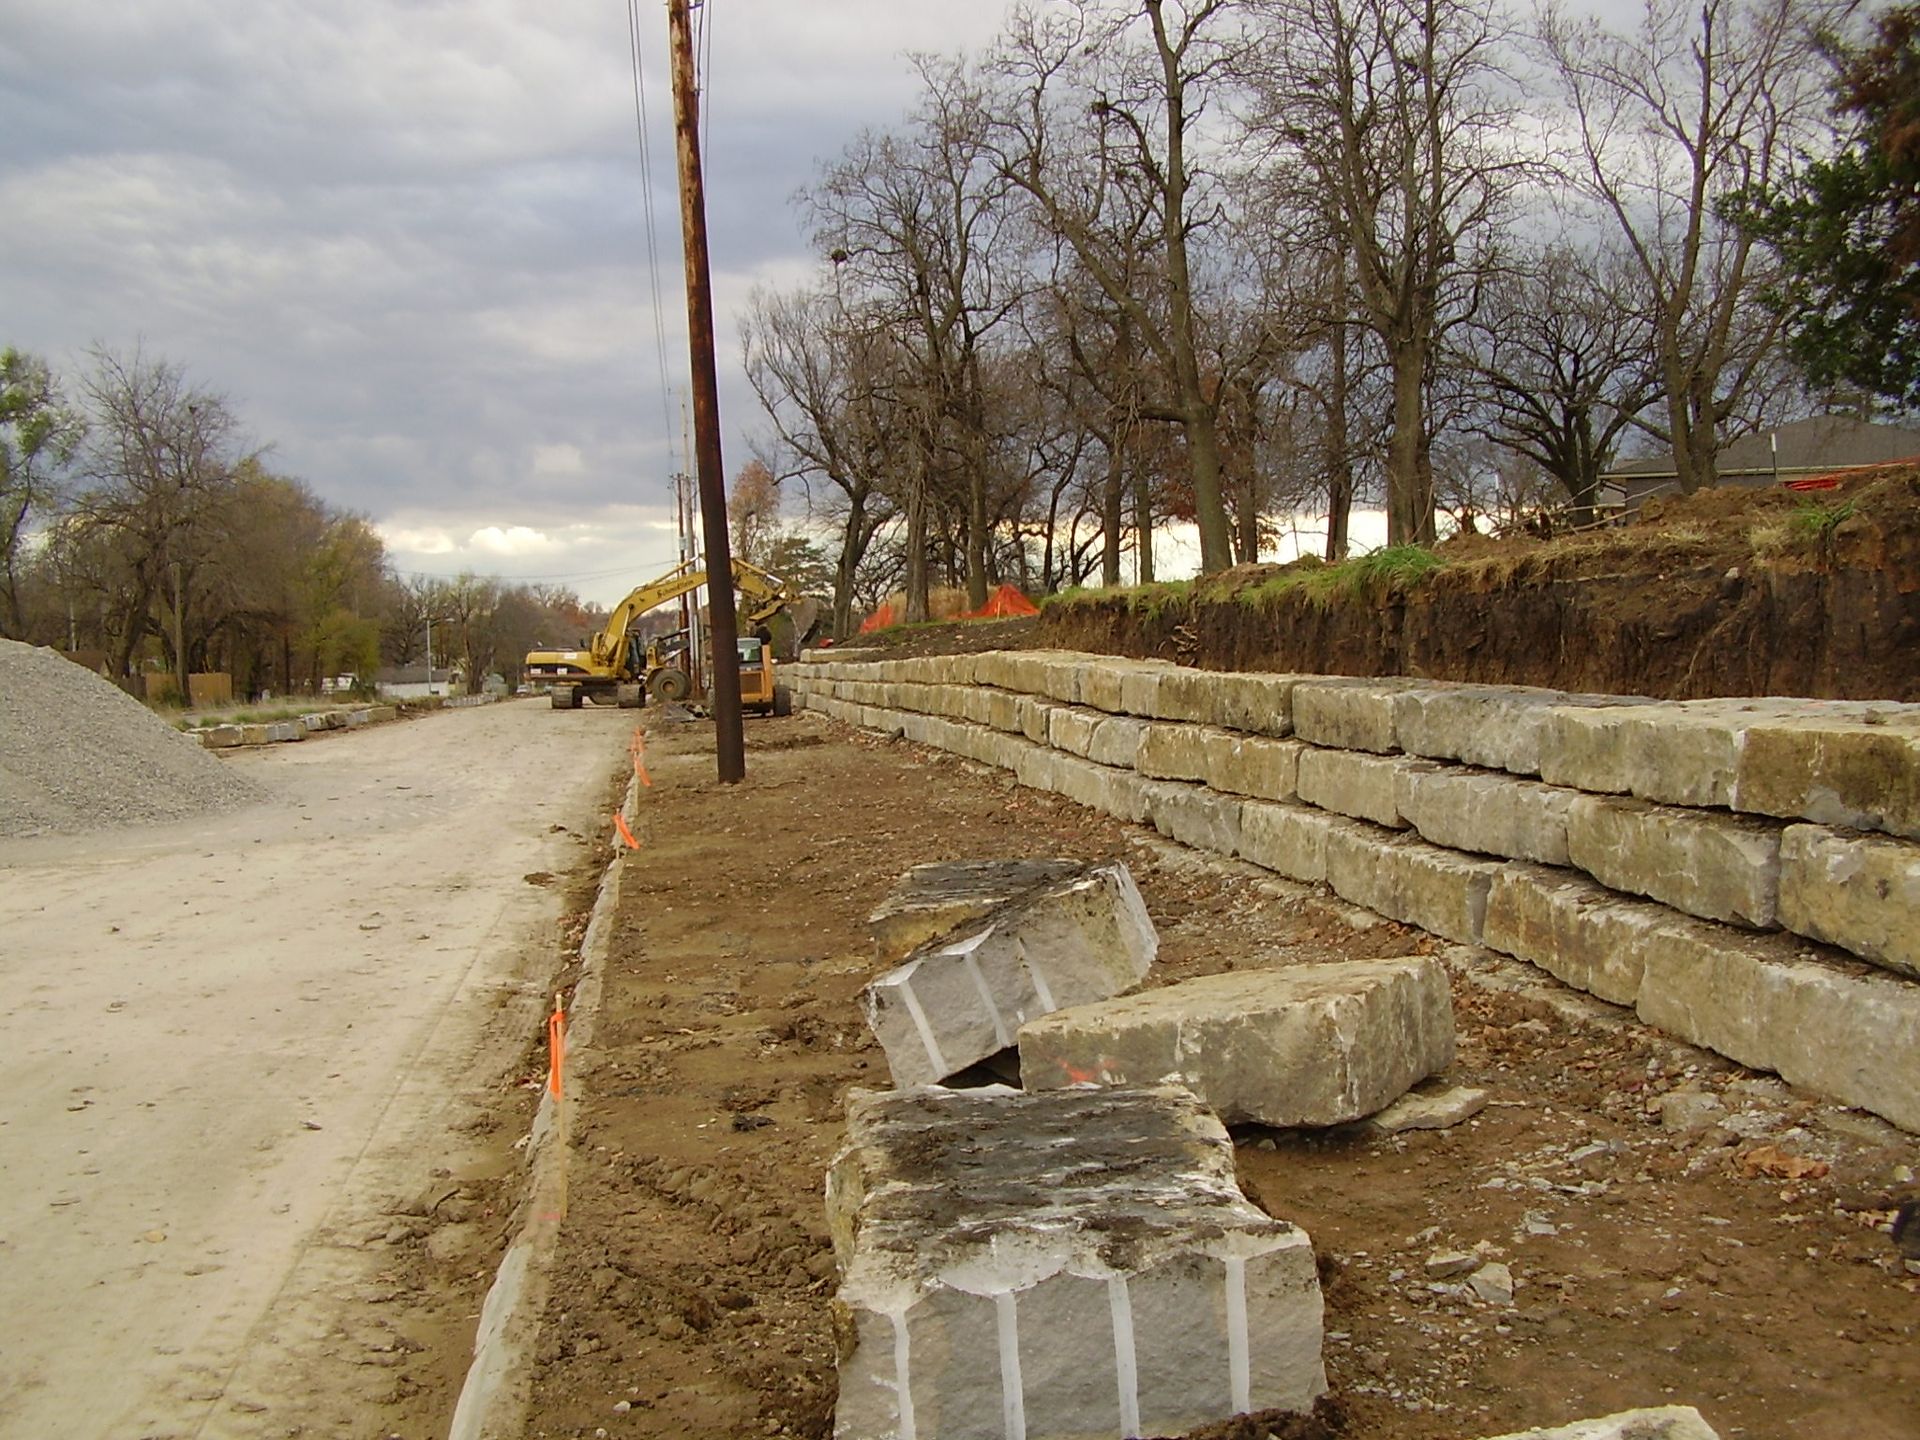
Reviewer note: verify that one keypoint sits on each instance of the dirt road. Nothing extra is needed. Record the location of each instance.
(1677, 1229)
(259, 1072)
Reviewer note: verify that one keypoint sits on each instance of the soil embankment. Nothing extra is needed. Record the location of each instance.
(1728, 592)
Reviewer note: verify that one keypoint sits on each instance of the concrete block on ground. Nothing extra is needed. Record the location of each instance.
(1194, 815)
(1349, 714)
(1592, 938)
(931, 900)
(1485, 812)
(1291, 1046)
(1715, 866)
(1408, 880)
(1666, 1422)
(1496, 727)
(314, 720)
(1843, 1030)
(1862, 772)
(256, 734)
(1063, 1266)
(383, 714)
(1860, 892)
(222, 737)
(1290, 840)
(1355, 783)
(953, 1002)
(354, 719)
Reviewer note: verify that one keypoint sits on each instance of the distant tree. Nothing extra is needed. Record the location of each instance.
(467, 604)
(753, 511)
(801, 561)
(1846, 228)
(39, 435)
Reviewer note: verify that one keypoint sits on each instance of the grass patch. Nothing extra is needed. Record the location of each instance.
(1816, 520)
(1357, 578)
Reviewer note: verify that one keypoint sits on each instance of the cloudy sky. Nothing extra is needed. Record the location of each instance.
(407, 238)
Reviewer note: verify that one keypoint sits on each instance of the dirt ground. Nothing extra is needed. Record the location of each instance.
(1741, 1266)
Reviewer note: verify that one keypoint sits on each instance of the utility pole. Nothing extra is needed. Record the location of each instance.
(724, 678)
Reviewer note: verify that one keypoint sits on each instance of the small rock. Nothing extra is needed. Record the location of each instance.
(1445, 1263)
(621, 1407)
(1414, 1111)
(1493, 1283)
(1689, 1111)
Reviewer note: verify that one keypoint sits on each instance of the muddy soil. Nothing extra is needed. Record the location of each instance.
(1728, 592)
(1741, 1266)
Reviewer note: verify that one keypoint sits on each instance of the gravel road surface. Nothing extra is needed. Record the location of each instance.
(233, 1047)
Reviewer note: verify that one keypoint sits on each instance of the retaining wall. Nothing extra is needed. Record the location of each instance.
(1742, 873)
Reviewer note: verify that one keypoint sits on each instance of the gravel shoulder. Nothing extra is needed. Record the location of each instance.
(263, 1075)
(1739, 1265)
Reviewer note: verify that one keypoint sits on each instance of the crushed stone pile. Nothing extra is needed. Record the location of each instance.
(79, 754)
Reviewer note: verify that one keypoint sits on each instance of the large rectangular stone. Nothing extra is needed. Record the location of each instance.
(1675, 753)
(1238, 700)
(1862, 771)
(1299, 1045)
(1591, 937)
(1354, 783)
(1715, 866)
(1486, 812)
(1061, 1266)
(954, 1002)
(1845, 1031)
(1290, 840)
(1071, 729)
(1194, 815)
(1665, 1422)
(1860, 892)
(1408, 880)
(1119, 793)
(1348, 714)
(932, 900)
(1230, 760)
(1494, 726)
(1116, 741)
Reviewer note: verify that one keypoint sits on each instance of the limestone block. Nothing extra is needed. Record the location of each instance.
(1354, 783)
(1675, 753)
(1255, 765)
(931, 900)
(1408, 880)
(1005, 709)
(286, 731)
(977, 705)
(1582, 933)
(1718, 867)
(1120, 686)
(257, 734)
(1860, 892)
(1174, 751)
(1497, 727)
(955, 1002)
(1290, 840)
(1485, 812)
(1299, 1045)
(1119, 793)
(1071, 729)
(1116, 741)
(1193, 815)
(1184, 694)
(1579, 932)
(1063, 1266)
(222, 737)
(353, 719)
(382, 714)
(1845, 1031)
(1455, 1105)
(314, 720)
(1863, 772)
(1667, 1422)
(1035, 716)
(1348, 714)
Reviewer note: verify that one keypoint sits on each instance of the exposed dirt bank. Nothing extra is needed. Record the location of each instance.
(1729, 592)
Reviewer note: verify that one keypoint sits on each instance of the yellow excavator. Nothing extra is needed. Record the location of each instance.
(616, 665)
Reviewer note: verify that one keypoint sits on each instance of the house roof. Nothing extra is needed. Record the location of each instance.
(1825, 442)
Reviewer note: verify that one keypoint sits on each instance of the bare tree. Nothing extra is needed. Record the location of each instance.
(1098, 124)
(1389, 123)
(1702, 98)
(39, 435)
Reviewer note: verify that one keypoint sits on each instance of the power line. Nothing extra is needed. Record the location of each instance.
(636, 57)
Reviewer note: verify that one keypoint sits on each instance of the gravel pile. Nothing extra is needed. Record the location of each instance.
(79, 754)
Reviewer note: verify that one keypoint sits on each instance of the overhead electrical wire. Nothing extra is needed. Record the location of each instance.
(636, 57)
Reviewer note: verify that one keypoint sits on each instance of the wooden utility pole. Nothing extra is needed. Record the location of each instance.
(723, 693)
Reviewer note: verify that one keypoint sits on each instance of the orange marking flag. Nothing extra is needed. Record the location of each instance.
(556, 1047)
(620, 824)
(638, 749)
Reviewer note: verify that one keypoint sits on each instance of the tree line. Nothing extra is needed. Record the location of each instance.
(138, 527)
(1229, 261)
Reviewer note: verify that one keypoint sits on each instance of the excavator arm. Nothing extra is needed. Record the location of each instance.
(766, 595)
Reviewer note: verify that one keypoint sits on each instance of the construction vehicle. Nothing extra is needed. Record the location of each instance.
(616, 665)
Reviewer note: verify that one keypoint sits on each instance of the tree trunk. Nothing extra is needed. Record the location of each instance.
(1409, 477)
(1112, 513)
(916, 577)
(1142, 522)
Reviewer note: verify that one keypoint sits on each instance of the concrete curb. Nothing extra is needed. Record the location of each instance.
(499, 1384)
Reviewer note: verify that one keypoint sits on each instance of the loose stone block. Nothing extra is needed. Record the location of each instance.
(1492, 814)
(222, 737)
(1667, 1422)
(1592, 938)
(931, 900)
(1860, 892)
(256, 734)
(1290, 840)
(1347, 714)
(1863, 772)
(1410, 881)
(955, 1002)
(1355, 784)
(1299, 1045)
(1063, 1266)
(1845, 1031)
(1718, 867)
(1193, 815)
(1413, 1111)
